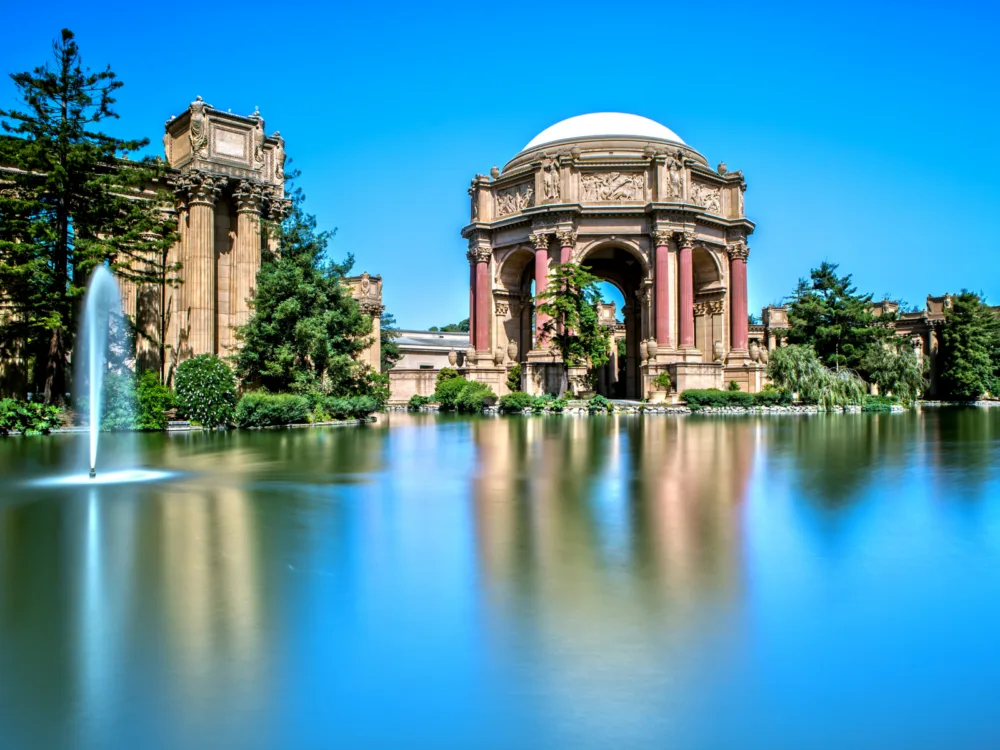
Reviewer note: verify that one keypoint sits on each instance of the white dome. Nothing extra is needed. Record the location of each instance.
(604, 124)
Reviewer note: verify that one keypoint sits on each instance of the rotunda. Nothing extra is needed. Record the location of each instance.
(627, 198)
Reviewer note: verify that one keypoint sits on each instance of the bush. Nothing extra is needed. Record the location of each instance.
(416, 401)
(445, 374)
(662, 381)
(118, 402)
(28, 418)
(772, 396)
(206, 390)
(447, 391)
(515, 403)
(473, 397)
(514, 379)
(878, 403)
(153, 401)
(714, 398)
(350, 407)
(262, 409)
(374, 385)
(733, 386)
(598, 403)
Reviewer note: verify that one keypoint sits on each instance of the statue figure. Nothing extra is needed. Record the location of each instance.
(550, 181)
(279, 158)
(675, 187)
(198, 131)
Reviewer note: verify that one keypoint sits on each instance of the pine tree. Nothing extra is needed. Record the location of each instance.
(827, 313)
(970, 348)
(570, 300)
(71, 201)
(305, 329)
(389, 349)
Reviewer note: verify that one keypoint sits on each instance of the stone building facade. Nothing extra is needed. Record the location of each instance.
(628, 198)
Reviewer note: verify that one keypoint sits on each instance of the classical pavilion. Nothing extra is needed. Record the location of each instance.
(626, 197)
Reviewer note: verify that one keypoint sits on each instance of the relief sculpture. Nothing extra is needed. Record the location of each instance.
(675, 183)
(550, 181)
(516, 198)
(709, 197)
(613, 186)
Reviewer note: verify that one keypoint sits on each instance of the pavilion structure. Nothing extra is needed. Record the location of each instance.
(629, 199)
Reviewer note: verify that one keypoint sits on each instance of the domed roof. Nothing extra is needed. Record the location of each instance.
(604, 124)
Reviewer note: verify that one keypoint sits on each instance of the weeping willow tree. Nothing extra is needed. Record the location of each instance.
(798, 368)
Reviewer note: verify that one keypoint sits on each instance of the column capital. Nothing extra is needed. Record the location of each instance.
(660, 237)
(479, 255)
(249, 197)
(277, 205)
(739, 251)
(566, 238)
(541, 240)
(685, 239)
(370, 307)
(197, 187)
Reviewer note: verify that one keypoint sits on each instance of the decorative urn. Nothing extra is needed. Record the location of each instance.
(652, 348)
(512, 350)
(754, 350)
(470, 356)
(717, 351)
(498, 356)
(452, 357)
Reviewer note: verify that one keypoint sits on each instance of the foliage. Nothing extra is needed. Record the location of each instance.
(771, 396)
(827, 313)
(374, 385)
(714, 398)
(445, 373)
(514, 379)
(262, 409)
(389, 349)
(350, 407)
(206, 390)
(878, 403)
(798, 368)
(28, 417)
(662, 381)
(305, 330)
(970, 349)
(895, 369)
(461, 327)
(598, 403)
(448, 389)
(549, 402)
(153, 401)
(570, 300)
(733, 385)
(119, 405)
(516, 402)
(69, 205)
(417, 401)
(474, 397)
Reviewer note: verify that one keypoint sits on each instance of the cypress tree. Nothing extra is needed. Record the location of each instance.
(970, 348)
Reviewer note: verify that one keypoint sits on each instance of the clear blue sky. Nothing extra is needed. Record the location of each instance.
(868, 133)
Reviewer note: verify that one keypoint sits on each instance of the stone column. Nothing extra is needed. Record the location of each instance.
(739, 324)
(661, 281)
(483, 300)
(199, 273)
(567, 242)
(685, 269)
(246, 251)
(541, 283)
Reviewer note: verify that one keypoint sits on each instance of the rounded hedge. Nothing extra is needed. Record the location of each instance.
(206, 390)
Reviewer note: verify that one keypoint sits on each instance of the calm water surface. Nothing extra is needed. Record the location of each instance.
(799, 582)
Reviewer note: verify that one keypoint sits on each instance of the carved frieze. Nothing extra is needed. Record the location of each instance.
(613, 186)
(515, 198)
(707, 196)
(502, 308)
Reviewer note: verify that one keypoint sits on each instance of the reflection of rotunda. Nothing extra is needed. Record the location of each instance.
(628, 198)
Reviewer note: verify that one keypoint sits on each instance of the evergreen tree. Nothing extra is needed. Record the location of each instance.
(461, 326)
(827, 313)
(305, 330)
(571, 301)
(388, 333)
(970, 348)
(895, 369)
(71, 201)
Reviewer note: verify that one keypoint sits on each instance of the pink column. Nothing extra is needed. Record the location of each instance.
(661, 283)
(541, 283)
(739, 324)
(482, 302)
(472, 298)
(686, 297)
(567, 240)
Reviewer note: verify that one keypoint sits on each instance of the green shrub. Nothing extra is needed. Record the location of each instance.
(350, 407)
(118, 402)
(772, 396)
(878, 403)
(153, 401)
(733, 386)
(473, 398)
(447, 391)
(445, 374)
(515, 403)
(662, 381)
(714, 398)
(28, 418)
(514, 379)
(206, 390)
(416, 401)
(598, 403)
(375, 386)
(262, 409)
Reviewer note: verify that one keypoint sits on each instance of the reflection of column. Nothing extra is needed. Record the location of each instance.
(246, 251)
(200, 271)
(541, 283)
(685, 241)
(738, 301)
(661, 281)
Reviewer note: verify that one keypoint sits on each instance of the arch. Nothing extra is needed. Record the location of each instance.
(629, 246)
(708, 271)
